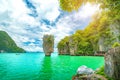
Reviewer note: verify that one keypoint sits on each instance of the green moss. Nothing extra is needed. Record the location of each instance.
(101, 72)
(116, 44)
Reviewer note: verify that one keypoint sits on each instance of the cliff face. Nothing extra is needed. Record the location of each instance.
(64, 50)
(8, 45)
(63, 46)
(92, 39)
(112, 36)
(72, 46)
(115, 29)
(48, 44)
(67, 46)
(112, 63)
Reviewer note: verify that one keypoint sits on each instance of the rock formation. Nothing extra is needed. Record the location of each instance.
(85, 70)
(63, 47)
(48, 44)
(72, 46)
(7, 45)
(85, 73)
(67, 46)
(64, 50)
(112, 63)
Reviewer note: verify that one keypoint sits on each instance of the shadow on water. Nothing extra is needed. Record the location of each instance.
(46, 71)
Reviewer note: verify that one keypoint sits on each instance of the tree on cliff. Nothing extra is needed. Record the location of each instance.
(48, 44)
(63, 46)
(76, 44)
(70, 5)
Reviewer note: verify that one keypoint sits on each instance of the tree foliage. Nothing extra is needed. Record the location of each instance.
(70, 5)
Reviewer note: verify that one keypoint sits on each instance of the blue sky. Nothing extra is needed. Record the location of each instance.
(26, 21)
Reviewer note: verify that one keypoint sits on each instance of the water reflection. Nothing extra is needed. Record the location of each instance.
(46, 70)
(2, 72)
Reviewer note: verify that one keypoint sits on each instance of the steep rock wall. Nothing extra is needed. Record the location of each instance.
(48, 44)
(112, 63)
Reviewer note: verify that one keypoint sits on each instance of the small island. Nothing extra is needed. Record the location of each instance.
(48, 44)
(7, 44)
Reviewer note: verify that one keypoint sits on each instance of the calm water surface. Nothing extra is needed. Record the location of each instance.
(35, 66)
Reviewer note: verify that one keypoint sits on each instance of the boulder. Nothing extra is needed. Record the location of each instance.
(48, 44)
(85, 70)
(112, 63)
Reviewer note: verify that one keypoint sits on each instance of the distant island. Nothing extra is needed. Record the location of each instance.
(7, 44)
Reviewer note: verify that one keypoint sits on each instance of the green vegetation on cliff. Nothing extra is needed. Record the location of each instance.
(101, 71)
(101, 34)
(7, 44)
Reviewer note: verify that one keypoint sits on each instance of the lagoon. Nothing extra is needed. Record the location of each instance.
(36, 66)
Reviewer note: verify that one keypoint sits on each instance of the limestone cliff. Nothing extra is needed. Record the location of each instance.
(68, 46)
(63, 46)
(112, 63)
(8, 45)
(64, 50)
(115, 29)
(72, 46)
(48, 44)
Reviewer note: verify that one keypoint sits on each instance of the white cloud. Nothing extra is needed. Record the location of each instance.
(25, 28)
(33, 48)
(73, 21)
(86, 11)
(48, 9)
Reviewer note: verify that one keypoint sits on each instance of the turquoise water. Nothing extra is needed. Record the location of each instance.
(35, 66)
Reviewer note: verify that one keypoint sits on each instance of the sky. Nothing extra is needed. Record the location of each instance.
(26, 21)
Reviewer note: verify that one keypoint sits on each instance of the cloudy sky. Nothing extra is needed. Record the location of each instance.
(26, 21)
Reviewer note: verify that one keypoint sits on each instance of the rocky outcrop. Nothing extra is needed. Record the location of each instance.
(101, 44)
(89, 77)
(115, 29)
(7, 44)
(73, 46)
(112, 63)
(48, 44)
(63, 46)
(67, 46)
(85, 73)
(64, 50)
(85, 70)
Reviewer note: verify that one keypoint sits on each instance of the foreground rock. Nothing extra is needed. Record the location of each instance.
(48, 44)
(85, 70)
(85, 73)
(112, 63)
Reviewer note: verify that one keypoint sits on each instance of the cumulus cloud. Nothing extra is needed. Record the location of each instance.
(48, 9)
(26, 21)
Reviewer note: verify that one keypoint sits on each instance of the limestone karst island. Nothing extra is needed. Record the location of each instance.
(59, 39)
